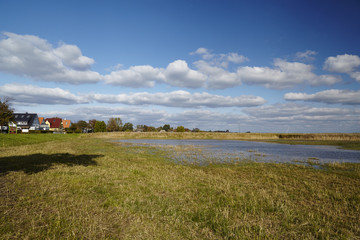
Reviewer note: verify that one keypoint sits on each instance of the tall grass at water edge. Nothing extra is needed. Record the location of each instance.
(343, 140)
(235, 136)
(85, 187)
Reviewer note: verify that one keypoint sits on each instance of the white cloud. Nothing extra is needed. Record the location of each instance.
(220, 60)
(28, 94)
(176, 74)
(293, 111)
(179, 74)
(31, 56)
(217, 77)
(284, 75)
(342, 63)
(331, 96)
(355, 75)
(136, 77)
(308, 55)
(180, 99)
(71, 56)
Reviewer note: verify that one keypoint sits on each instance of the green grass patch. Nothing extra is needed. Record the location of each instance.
(11, 140)
(89, 188)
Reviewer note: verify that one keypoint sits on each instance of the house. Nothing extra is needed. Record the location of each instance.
(66, 123)
(26, 121)
(55, 123)
(45, 126)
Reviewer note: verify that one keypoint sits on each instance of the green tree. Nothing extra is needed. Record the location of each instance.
(128, 127)
(114, 124)
(180, 129)
(100, 126)
(73, 127)
(82, 124)
(166, 127)
(6, 112)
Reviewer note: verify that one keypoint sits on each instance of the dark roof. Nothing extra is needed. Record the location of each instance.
(54, 122)
(25, 119)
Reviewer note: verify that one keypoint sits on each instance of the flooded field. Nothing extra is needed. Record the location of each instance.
(225, 151)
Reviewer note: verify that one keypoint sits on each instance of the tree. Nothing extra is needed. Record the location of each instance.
(82, 124)
(128, 127)
(119, 123)
(166, 127)
(100, 126)
(73, 127)
(6, 112)
(92, 123)
(180, 129)
(114, 124)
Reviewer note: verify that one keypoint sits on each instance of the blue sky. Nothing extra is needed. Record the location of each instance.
(260, 66)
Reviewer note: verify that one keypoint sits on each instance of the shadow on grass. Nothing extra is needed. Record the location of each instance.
(40, 162)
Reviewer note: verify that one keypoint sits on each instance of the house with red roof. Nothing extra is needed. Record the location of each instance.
(55, 123)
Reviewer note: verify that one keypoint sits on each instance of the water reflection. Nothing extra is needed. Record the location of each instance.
(228, 151)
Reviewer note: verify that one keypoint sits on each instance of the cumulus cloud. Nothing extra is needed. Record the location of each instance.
(28, 94)
(180, 99)
(290, 113)
(71, 56)
(217, 77)
(331, 96)
(176, 74)
(284, 75)
(179, 74)
(342, 63)
(31, 56)
(136, 77)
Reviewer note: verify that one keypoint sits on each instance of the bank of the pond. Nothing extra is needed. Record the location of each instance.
(92, 189)
(225, 151)
(350, 141)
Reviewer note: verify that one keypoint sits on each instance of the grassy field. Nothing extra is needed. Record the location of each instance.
(85, 187)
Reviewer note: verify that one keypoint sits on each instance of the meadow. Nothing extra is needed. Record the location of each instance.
(86, 187)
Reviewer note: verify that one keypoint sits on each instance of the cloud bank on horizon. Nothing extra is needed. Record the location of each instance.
(188, 99)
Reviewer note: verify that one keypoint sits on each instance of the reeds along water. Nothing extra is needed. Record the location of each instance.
(322, 136)
(235, 136)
